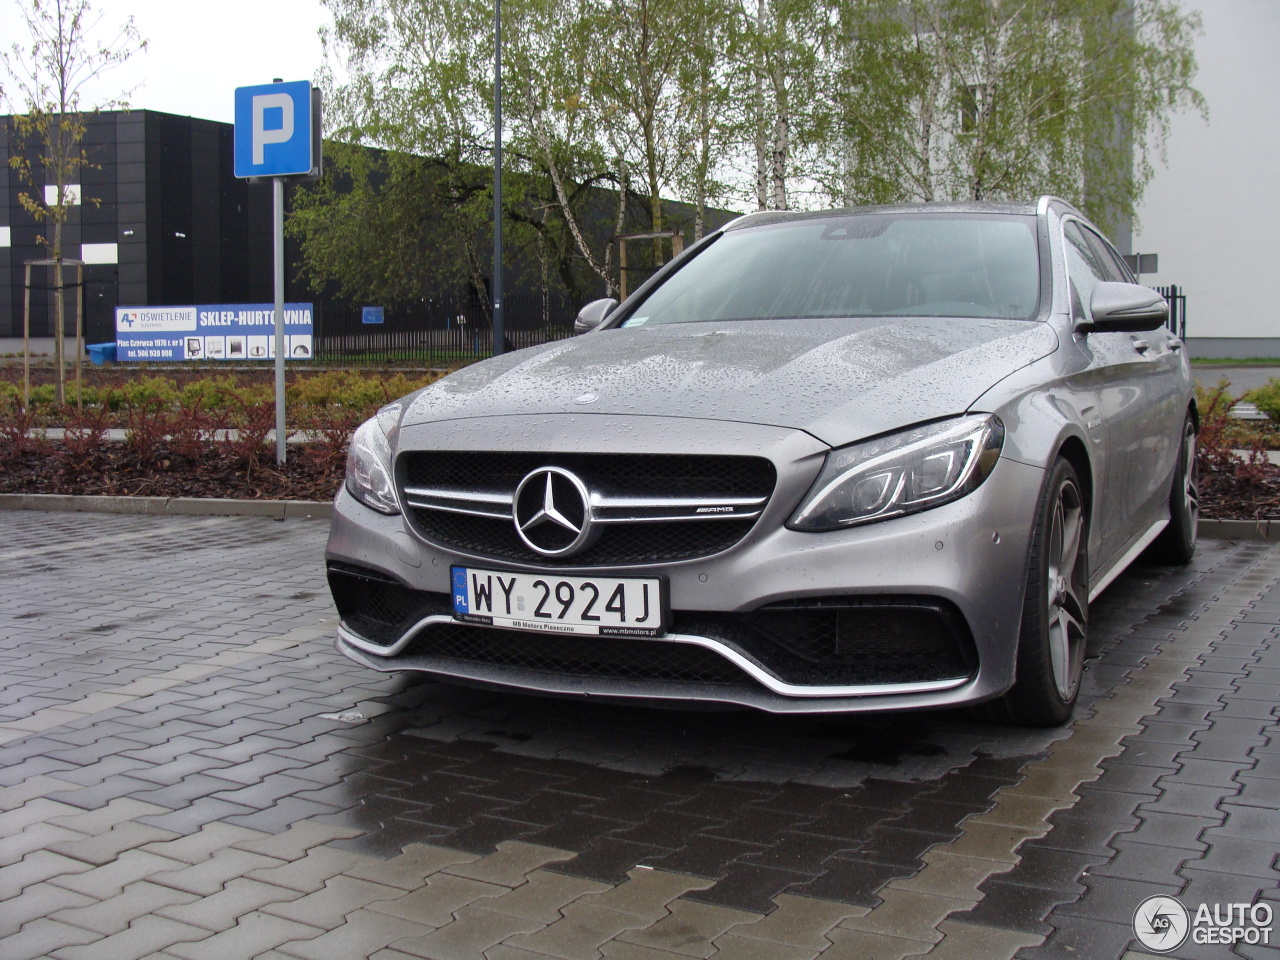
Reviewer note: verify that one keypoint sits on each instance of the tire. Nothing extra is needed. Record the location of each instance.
(1177, 542)
(1055, 607)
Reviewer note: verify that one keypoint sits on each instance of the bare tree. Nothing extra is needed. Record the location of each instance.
(49, 71)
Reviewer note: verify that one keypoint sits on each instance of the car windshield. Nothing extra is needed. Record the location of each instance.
(891, 264)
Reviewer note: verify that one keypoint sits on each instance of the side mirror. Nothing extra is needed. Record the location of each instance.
(1125, 307)
(593, 314)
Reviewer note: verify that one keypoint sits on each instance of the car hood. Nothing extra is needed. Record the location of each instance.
(839, 380)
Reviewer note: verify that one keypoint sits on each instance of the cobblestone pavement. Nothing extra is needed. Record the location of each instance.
(189, 770)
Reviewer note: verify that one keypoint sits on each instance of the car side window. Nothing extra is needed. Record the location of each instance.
(1112, 266)
(1083, 269)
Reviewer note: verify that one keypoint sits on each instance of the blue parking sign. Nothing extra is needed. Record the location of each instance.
(273, 131)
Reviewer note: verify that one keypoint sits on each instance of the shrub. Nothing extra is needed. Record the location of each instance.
(145, 389)
(20, 430)
(1267, 398)
(84, 439)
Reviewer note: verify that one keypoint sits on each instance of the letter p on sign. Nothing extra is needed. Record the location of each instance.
(261, 135)
(277, 130)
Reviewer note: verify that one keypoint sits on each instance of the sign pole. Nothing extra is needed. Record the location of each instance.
(277, 188)
(499, 326)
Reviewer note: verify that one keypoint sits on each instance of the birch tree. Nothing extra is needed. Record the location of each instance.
(66, 49)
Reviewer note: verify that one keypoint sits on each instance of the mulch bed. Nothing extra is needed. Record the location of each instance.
(1225, 496)
(114, 470)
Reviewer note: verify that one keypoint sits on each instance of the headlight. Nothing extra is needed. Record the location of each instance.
(369, 461)
(903, 473)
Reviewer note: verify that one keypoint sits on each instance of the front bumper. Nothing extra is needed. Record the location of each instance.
(967, 557)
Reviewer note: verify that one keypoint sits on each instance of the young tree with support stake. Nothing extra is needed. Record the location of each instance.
(49, 73)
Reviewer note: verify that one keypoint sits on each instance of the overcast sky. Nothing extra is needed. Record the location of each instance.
(198, 53)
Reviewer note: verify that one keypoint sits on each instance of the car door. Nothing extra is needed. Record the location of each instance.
(1118, 376)
(1157, 432)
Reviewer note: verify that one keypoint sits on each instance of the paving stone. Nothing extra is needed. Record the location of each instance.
(35, 867)
(143, 936)
(689, 929)
(544, 896)
(733, 947)
(1246, 823)
(30, 788)
(114, 914)
(988, 841)
(1017, 907)
(362, 934)
(293, 843)
(585, 926)
(1150, 863)
(118, 811)
(409, 869)
(203, 844)
(208, 876)
(109, 844)
(800, 922)
(864, 945)
(310, 872)
(36, 901)
(40, 938)
(221, 910)
(1075, 937)
(510, 864)
(1173, 829)
(253, 934)
(907, 914)
(111, 878)
(438, 900)
(340, 896)
(473, 931)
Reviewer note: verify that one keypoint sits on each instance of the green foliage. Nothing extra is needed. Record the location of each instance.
(1267, 398)
(763, 103)
(10, 395)
(222, 392)
(972, 100)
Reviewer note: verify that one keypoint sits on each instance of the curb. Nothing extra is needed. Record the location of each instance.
(168, 506)
(312, 510)
(1238, 530)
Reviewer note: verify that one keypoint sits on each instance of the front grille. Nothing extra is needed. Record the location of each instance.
(837, 641)
(618, 473)
(700, 477)
(652, 542)
(600, 658)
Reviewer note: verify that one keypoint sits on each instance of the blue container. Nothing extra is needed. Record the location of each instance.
(100, 353)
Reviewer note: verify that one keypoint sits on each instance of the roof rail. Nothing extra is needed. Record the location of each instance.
(748, 216)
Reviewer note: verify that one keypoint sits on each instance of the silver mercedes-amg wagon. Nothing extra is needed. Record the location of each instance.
(866, 459)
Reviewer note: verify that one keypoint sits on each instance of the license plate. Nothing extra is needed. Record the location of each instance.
(593, 606)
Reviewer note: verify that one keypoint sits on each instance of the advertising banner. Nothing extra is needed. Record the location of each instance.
(227, 331)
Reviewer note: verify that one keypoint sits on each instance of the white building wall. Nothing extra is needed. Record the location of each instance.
(1213, 213)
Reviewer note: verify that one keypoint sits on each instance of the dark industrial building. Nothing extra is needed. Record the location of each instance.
(162, 221)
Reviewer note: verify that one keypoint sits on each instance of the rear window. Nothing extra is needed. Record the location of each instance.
(910, 265)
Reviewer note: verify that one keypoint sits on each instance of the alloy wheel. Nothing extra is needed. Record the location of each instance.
(1067, 586)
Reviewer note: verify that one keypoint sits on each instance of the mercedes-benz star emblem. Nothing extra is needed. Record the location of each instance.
(552, 512)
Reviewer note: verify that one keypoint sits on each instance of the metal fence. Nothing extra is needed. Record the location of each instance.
(438, 330)
(1177, 309)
